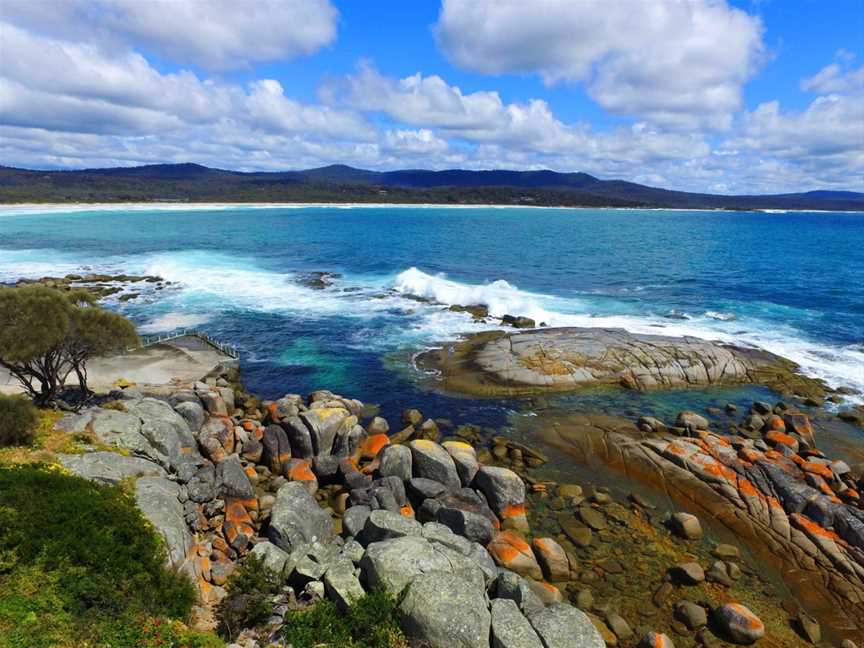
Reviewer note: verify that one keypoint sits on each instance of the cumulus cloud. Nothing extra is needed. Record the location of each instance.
(838, 77)
(213, 34)
(825, 141)
(74, 95)
(482, 117)
(80, 87)
(676, 62)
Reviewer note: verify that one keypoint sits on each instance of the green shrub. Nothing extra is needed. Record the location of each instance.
(369, 623)
(247, 604)
(79, 559)
(18, 420)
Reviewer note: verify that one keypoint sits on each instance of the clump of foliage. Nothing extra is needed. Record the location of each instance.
(79, 566)
(370, 622)
(46, 335)
(250, 588)
(18, 420)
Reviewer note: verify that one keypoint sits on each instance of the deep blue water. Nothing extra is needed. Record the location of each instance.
(790, 282)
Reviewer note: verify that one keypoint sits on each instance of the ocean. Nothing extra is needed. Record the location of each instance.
(792, 283)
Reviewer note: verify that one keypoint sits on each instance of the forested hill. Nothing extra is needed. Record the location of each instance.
(340, 183)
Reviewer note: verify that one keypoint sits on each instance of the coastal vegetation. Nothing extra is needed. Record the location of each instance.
(79, 566)
(369, 622)
(18, 420)
(344, 184)
(47, 335)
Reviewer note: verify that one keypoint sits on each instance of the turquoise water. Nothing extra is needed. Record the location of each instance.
(792, 283)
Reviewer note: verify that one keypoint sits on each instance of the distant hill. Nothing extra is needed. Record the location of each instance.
(341, 183)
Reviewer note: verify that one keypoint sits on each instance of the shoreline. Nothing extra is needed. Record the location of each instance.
(36, 208)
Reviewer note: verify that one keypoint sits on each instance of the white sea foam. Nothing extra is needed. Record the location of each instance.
(173, 321)
(206, 283)
(500, 297)
(838, 366)
(723, 317)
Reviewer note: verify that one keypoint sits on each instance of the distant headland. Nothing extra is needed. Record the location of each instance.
(345, 184)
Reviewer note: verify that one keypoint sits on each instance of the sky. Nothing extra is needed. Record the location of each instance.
(743, 96)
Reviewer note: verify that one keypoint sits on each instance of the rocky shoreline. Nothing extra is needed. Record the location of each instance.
(484, 550)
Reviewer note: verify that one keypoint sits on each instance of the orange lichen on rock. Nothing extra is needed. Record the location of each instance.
(513, 510)
(510, 550)
(811, 528)
(775, 423)
(407, 511)
(749, 455)
(776, 437)
(823, 470)
(301, 470)
(373, 444)
(238, 525)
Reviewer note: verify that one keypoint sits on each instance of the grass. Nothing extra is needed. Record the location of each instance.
(79, 566)
(47, 443)
(370, 622)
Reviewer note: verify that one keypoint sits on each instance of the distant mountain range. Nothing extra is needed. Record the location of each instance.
(340, 183)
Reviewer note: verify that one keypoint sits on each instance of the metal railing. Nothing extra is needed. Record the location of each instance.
(228, 349)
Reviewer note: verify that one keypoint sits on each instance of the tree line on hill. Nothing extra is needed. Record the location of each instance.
(344, 184)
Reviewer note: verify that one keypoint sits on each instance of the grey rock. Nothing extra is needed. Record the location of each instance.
(394, 563)
(353, 551)
(192, 413)
(511, 586)
(202, 486)
(690, 614)
(472, 526)
(738, 623)
(420, 488)
(510, 629)
(465, 458)
(593, 356)
(342, 585)
(213, 402)
(396, 461)
(686, 526)
(167, 433)
(690, 573)
(501, 486)
(383, 498)
(384, 525)
(296, 518)
(446, 609)
(354, 519)
(109, 467)
(231, 480)
(325, 424)
(431, 461)
(272, 556)
(299, 437)
(277, 450)
(619, 626)
(157, 498)
(691, 420)
(563, 626)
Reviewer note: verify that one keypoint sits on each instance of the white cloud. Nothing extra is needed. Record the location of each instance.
(78, 87)
(213, 34)
(837, 77)
(269, 109)
(414, 142)
(825, 142)
(483, 118)
(676, 62)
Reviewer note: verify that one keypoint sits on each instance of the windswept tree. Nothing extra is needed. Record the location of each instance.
(46, 335)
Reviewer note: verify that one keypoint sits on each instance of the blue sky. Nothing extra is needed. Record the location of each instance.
(706, 95)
